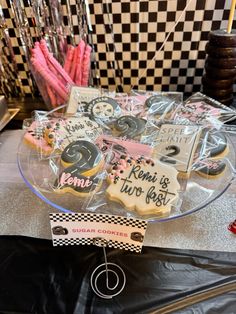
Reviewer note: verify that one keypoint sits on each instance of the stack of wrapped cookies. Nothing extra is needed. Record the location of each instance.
(220, 71)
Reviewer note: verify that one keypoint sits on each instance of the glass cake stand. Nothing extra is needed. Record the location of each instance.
(198, 191)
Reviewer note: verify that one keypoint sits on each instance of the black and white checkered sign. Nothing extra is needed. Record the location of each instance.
(110, 244)
(117, 220)
(97, 229)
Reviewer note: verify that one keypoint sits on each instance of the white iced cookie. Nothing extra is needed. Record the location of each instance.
(67, 130)
(142, 185)
(176, 145)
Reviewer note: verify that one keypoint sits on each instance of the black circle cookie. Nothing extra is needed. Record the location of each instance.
(211, 169)
(104, 108)
(130, 126)
(85, 154)
(159, 104)
(217, 145)
(222, 38)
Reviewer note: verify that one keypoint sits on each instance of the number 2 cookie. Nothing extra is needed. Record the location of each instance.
(82, 160)
(129, 126)
(144, 186)
(159, 105)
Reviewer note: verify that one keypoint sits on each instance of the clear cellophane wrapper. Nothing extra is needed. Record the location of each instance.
(135, 109)
(204, 172)
(203, 156)
(203, 110)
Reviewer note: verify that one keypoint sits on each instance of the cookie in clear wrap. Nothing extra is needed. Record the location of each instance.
(82, 161)
(104, 108)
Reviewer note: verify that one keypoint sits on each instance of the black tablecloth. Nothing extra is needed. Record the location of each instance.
(39, 278)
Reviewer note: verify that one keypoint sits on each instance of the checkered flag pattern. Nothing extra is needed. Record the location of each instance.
(123, 221)
(23, 78)
(66, 242)
(111, 244)
(127, 35)
(139, 29)
(124, 246)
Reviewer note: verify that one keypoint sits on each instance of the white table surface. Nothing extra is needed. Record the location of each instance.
(23, 213)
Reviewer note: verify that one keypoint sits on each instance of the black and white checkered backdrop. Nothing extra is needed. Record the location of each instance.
(128, 33)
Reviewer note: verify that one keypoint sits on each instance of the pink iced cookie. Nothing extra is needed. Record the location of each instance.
(114, 148)
(196, 112)
(34, 137)
(131, 104)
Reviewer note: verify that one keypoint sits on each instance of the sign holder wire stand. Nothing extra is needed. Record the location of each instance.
(108, 279)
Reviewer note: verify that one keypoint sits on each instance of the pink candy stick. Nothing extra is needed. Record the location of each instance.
(44, 48)
(54, 65)
(50, 79)
(51, 62)
(60, 69)
(73, 65)
(45, 52)
(38, 54)
(86, 66)
(53, 99)
(69, 59)
(80, 57)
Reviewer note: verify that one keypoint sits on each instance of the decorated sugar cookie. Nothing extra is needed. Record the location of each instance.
(210, 168)
(34, 137)
(217, 145)
(82, 160)
(84, 155)
(112, 148)
(197, 113)
(176, 145)
(144, 186)
(66, 130)
(129, 126)
(160, 105)
(104, 108)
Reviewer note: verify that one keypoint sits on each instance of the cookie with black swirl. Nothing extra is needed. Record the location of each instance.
(129, 126)
(82, 161)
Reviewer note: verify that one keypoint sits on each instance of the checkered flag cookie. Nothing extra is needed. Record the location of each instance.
(123, 221)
